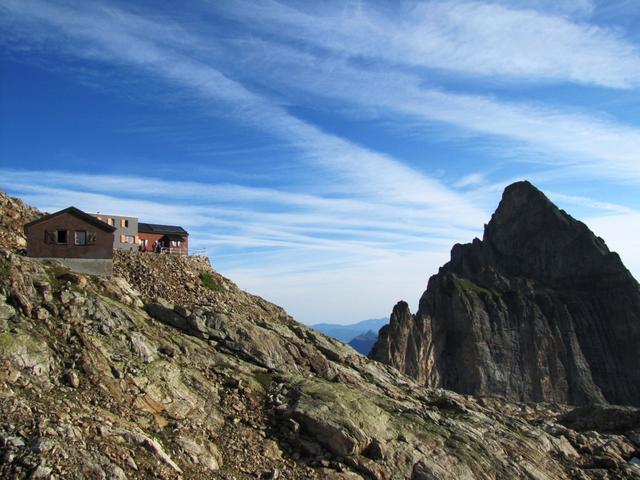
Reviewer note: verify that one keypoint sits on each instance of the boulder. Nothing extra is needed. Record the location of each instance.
(602, 418)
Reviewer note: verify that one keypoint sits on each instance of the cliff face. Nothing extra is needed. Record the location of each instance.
(539, 310)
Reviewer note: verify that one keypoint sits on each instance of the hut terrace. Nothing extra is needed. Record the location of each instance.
(131, 234)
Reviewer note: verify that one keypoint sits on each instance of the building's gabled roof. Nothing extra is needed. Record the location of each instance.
(76, 212)
(161, 229)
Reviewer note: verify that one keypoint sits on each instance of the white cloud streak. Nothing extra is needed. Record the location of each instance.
(592, 144)
(473, 38)
(367, 172)
(282, 256)
(360, 229)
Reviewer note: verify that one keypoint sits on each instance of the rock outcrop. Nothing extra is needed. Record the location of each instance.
(14, 213)
(539, 310)
(102, 379)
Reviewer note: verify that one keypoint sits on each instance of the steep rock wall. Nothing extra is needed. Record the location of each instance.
(539, 310)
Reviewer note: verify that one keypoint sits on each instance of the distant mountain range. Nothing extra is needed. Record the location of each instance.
(361, 334)
(365, 342)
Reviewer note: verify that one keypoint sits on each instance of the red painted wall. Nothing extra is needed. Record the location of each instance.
(153, 237)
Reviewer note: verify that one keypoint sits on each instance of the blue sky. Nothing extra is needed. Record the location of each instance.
(326, 154)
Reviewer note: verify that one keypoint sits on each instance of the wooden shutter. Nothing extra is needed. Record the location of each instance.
(122, 239)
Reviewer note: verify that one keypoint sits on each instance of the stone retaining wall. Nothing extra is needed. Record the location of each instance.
(88, 266)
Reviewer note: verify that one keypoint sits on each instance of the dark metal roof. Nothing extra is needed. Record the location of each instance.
(76, 212)
(161, 229)
(172, 237)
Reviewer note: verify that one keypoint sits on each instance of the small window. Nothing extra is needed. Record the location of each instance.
(124, 223)
(81, 238)
(49, 237)
(111, 221)
(128, 239)
(91, 238)
(61, 236)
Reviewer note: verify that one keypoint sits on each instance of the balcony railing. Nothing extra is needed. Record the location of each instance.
(174, 250)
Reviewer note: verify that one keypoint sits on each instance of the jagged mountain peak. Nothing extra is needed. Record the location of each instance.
(540, 297)
(528, 235)
(524, 208)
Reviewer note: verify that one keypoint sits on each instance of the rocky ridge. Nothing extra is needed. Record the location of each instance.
(538, 310)
(100, 378)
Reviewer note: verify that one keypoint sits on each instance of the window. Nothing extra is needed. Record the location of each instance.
(175, 243)
(91, 238)
(124, 223)
(128, 239)
(111, 222)
(81, 238)
(61, 236)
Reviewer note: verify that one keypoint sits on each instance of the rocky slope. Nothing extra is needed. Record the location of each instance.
(13, 215)
(539, 310)
(182, 375)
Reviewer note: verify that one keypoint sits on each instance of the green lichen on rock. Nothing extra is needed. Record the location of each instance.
(25, 351)
(340, 417)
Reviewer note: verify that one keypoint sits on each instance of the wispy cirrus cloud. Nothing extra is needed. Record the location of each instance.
(304, 242)
(94, 34)
(591, 143)
(472, 38)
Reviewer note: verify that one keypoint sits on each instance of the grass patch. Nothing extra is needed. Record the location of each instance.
(7, 340)
(466, 284)
(4, 271)
(54, 273)
(209, 281)
(263, 379)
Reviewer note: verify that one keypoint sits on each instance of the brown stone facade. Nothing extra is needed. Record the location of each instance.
(69, 233)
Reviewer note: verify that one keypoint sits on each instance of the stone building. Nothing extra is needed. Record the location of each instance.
(73, 237)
